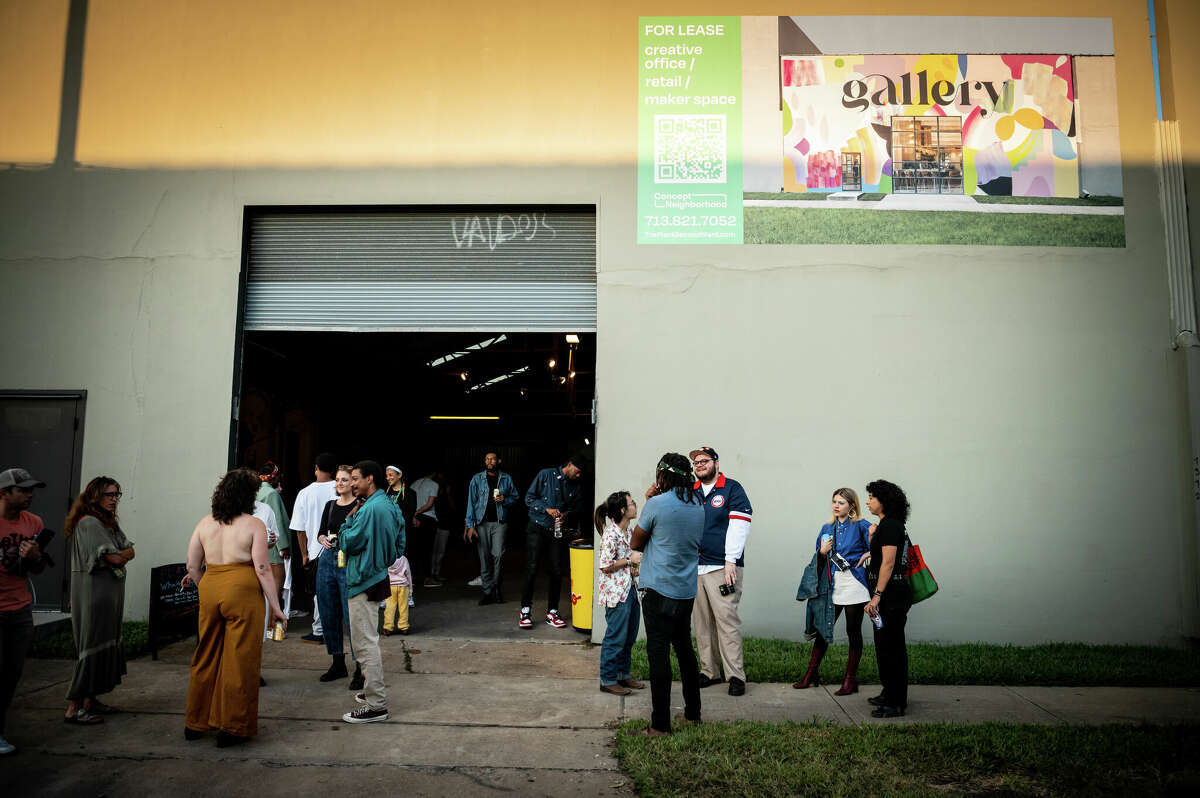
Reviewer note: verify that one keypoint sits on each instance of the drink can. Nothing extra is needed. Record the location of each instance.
(341, 559)
(877, 620)
(496, 493)
(277, 634)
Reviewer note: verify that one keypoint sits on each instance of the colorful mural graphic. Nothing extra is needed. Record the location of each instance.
(1008, 129)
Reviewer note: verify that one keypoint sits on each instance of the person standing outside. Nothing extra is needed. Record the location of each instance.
(727, 515)
(281, 552)
(553, 501)
(425, 524)
(489, 495)
(20, 555)
(305, 527)
(665, 544)
(372, 538)
(331, 579)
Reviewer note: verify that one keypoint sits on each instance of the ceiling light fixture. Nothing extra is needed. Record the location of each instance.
(466, 351)
(552, 363)
(464, 418)
(572, 338)
(501, 378)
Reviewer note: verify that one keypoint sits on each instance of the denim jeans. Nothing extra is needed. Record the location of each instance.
(331, 601)
(623, 622)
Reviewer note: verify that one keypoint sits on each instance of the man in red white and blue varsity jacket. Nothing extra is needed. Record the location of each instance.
(727, 515)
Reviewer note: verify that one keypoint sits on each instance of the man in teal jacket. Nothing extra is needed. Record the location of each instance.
(372, 538)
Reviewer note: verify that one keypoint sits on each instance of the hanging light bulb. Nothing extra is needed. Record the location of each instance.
(552, 363)
(463, 376)
(571, 375)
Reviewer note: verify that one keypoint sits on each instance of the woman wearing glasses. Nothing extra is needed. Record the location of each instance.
(99, 552)
(617, 593)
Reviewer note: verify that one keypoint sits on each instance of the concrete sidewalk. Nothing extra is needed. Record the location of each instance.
(469, 718)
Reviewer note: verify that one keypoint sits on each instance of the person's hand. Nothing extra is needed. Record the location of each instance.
(872, 607)
(470, 534)
(553, 513)
(730, 573)
(29, 550)
(277, 614)
(285, 554)
(863, 560)
(127, 553)
(304, 556)
(635, 557)
(871, 531)
(185, 582)
(498, 497)
(652, 491)
(324, 541)
(826, 546)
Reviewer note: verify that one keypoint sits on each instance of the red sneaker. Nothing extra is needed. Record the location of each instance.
(526, 621)
(553, 619)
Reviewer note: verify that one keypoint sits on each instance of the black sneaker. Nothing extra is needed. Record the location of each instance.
(488, 598)
(312, 638)
(357, 681)
(709, 681)
(365, 714)
(336, 671)
(737, 686)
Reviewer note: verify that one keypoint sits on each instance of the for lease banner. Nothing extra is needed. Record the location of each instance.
(689, 130)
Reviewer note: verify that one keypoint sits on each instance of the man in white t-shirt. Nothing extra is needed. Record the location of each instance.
(425, 525)
(305, 524)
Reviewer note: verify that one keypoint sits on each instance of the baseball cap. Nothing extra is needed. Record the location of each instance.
(708, 450)
(19, 478)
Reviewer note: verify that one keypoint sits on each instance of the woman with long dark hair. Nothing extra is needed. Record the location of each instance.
(669, 533)
(890, 596)
(616, 591)
(99, 552)
(227, 559)
(842, 547)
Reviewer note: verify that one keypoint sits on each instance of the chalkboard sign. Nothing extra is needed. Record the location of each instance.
(173, 610)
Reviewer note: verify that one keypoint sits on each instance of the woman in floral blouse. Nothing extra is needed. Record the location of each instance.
(617, 593)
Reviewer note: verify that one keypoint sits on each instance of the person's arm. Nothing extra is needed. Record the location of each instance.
(470, 521)
(31, 556)
(323, 530)
(888, 557)
(195, 557)
(262, 569)
(535, 500)
(609, 562)
(352, 538)
(428, 503)
(736, 533)
(509, 497)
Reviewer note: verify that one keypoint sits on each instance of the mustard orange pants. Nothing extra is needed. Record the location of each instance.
(223, 690)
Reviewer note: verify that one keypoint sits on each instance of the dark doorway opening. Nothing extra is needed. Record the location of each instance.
(426, 402)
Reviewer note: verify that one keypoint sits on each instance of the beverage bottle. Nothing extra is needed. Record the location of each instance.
(558, 527)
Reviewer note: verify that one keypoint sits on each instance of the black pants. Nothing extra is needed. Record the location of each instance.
(891, 654)
(854, 620)
(16, 632)
(540, 544)
(420, 547)
(669, 625)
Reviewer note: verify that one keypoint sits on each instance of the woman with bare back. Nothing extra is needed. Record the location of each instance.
(230, 545)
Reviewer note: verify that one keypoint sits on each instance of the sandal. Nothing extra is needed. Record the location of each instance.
(99, 708)
(83, 718)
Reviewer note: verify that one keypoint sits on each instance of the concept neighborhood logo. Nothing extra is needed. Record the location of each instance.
(942, 92)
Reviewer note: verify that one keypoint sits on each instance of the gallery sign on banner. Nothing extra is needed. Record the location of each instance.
(689, 130)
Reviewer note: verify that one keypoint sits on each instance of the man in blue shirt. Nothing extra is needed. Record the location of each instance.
(553, 501)
(489, 496)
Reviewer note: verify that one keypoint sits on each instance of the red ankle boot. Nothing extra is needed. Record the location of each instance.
(850, 682)
(810, 677)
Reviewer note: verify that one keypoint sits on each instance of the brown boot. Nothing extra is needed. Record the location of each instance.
(850, 682)
(811, 677)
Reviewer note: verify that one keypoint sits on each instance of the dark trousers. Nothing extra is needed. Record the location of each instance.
(854, 621)
(420, 547)
(16, 632)
(669, 625)
(540, 544)
(891, 654)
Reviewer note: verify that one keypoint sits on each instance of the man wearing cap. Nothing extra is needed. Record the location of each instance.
(19, 556)
(727, 514)
(305, 525)
(553, 501)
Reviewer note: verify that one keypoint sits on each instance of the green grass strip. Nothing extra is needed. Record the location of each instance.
(810, 196)
(1103, 201)
(753, 759)
(135, 638)
(853, 226)
(871, 197)
(1052, 664)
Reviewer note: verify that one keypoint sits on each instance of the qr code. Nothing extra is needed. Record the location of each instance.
(689, 148)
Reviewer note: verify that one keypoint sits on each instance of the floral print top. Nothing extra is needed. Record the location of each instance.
(612, 589)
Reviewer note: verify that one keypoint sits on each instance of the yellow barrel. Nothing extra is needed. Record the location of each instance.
(582, 576)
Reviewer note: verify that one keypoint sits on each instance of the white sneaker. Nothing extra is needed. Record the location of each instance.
(476, 582)
(6, 747)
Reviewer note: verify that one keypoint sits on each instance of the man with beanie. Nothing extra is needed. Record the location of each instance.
(718, 627)
(553, 501)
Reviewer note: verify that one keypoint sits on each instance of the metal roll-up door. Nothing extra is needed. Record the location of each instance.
(456, 269)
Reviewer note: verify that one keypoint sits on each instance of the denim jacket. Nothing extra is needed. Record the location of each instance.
(817, 589)
(852, 540)
(550, 489)
(478, 497)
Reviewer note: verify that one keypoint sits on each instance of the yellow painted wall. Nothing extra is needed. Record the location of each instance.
(31, 52)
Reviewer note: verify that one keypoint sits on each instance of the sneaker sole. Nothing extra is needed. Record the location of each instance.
(351, 719)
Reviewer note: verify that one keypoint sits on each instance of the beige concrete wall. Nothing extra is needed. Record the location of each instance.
(762, 119)
(1099, 133)
(1025, 397)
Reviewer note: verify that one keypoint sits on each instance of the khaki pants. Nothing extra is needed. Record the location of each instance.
(364, 631)
(396, 608)
(718, 627)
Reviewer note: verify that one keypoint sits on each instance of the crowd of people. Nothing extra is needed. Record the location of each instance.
(359, 540)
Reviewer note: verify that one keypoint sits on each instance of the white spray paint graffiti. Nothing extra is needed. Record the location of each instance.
(492, 232)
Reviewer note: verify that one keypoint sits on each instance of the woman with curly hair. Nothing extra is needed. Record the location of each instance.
(99, 552)
(842, 547)
(890, 596)
(230, 545)
(666, 549)
(616, 590)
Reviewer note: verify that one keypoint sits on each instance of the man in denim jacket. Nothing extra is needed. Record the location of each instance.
(489, 496)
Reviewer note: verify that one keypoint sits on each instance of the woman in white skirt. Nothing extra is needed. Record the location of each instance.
(844, 546)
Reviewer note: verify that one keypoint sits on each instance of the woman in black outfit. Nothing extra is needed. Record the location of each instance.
(890, 597)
